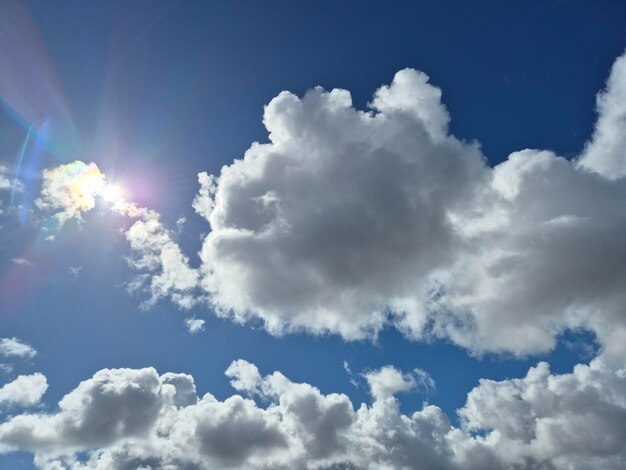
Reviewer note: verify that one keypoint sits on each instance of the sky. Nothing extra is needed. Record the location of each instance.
(312, 235)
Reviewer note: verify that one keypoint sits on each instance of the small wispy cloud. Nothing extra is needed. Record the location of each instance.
(23, 262)
(346, 367)
(75, 270)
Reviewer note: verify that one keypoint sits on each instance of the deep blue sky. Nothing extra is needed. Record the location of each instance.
(167, 89)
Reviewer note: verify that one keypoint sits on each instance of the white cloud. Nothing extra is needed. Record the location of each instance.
(194, 325)
(23, 262)
(25, 390)
(605, 151)
(8, 182)
(128, 418)
(203, 202)
(69, 190)
(14, 347)
(342, 218)
(388, 381)
(75, 270)
(5, 183)
(156, 252)
(348, 220)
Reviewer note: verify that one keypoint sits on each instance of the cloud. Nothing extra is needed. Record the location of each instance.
(573, 421)
(75, 270)
(25, 390)
(70, 189)
(348, 220)
(342, 218)
(155, 252)
(127, 418)
(14, 347)
(604, 153)
(7, 182)
(23, 262)
(388, 381)
(194, 325)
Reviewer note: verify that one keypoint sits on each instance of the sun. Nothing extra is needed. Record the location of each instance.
(111, 193)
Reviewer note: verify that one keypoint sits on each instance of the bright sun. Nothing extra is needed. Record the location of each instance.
(111, 193)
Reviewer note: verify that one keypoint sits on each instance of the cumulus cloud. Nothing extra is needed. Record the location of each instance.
(15, 347)
(349, 220)
(25, 390)
(342, 218)
(194, 325)
(388, 381)
(128, 418)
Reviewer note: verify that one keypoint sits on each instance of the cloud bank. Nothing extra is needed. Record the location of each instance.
(127, 418)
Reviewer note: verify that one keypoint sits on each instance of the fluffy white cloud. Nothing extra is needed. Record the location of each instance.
(15, 347)
(25, 390)
(545, 255)
(123, 419)
(573, 421)
(388, 381)
(343, 218)
(194, 325)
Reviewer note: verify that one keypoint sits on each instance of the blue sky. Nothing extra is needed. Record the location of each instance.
(155, 93)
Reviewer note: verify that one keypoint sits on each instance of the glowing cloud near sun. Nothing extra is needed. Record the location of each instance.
(72, 189)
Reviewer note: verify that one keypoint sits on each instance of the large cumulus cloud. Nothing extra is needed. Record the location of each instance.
(348, 220)
(343, 217)
(130, 419)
